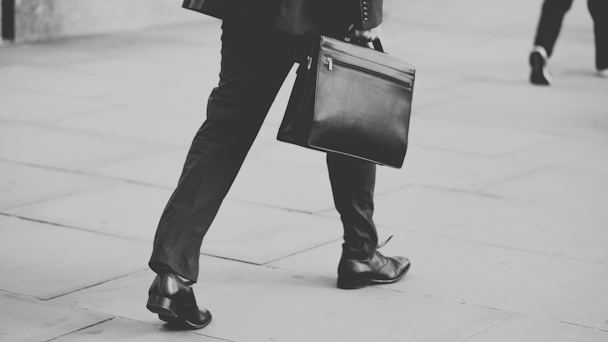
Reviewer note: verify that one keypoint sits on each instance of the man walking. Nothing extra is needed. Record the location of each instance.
(259, 41)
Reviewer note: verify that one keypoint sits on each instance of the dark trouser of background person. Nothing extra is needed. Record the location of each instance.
(549, 26)
(255, 62)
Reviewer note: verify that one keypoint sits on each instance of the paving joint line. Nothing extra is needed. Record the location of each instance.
(190, 332)
(513, 177)
(537, 130)
(491, 244)
(20, 294)
(231, 259)
(75, 331)
(272, 206)
(213, 337)
(263, 264)
(499, 125)
(93, 285)
(601, 325)
(530, 147)
(451, 150)
(484, 328)
(84, 173)
(65, 195)
(117, 236)
(390, 191)
(506, 198)
(97, 134)
(25, 218)
(584, 326)
(376, 195)
(298, 252)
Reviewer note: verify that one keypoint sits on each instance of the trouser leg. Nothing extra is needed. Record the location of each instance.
(549, 26)
(254, 65)
(599, 13)
(352, 183)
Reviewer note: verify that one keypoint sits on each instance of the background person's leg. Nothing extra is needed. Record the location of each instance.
(254, 65)
(599, 13)
(550, 24)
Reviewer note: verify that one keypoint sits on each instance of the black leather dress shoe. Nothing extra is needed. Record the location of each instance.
(356, 274)
(174, 302)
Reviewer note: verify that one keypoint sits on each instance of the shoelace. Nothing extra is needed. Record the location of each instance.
(385, 242)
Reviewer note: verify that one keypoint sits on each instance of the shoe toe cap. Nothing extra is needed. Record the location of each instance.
(401, 263)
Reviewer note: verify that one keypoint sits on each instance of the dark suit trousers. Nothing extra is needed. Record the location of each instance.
(255, 62)
(551, 19)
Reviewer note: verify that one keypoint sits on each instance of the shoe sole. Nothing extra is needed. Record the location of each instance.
(540, 72)
(183, 323)
(167, 311)
(353, 284)
(162, 306)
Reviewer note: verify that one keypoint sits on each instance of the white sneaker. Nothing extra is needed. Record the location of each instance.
(602, 73)
(540, 71)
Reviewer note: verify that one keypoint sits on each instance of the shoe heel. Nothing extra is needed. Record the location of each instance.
(162, 306)
(351, 284)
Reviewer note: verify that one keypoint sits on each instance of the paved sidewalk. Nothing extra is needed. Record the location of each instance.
(501, 204)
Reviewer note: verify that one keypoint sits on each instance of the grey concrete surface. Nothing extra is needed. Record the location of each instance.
(501, 203)
(41, 19)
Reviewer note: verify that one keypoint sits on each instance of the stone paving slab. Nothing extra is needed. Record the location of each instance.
(127, 330)
(160, 169)
(24, 319)
(259, 235)
(118, 209)
(177, 98)
(124, 297)
(526, 329)
(22, 185)
(72, 84)
(241, 231)
(67, 149)
(75, 50)
(539, 255)
(282, 153)
(282, 186)
(446, 169)
(45, 261)
(466, 138)
(272, 152)
(154, 64)
(562, 112)
(253, 303)
(144, 122)
(423, 165)
(18, 106)
(567, 153)
(545, 229)
(47, 54)
(585, 190)
(556, 288)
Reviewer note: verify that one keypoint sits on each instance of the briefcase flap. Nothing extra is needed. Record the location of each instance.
(367, 54)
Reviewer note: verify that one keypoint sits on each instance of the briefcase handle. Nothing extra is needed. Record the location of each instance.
(378, 45)
(351, 32)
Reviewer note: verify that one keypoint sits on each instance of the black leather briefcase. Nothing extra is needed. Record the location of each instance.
(351, 100)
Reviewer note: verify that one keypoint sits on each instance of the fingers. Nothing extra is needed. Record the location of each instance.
(366, 36)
